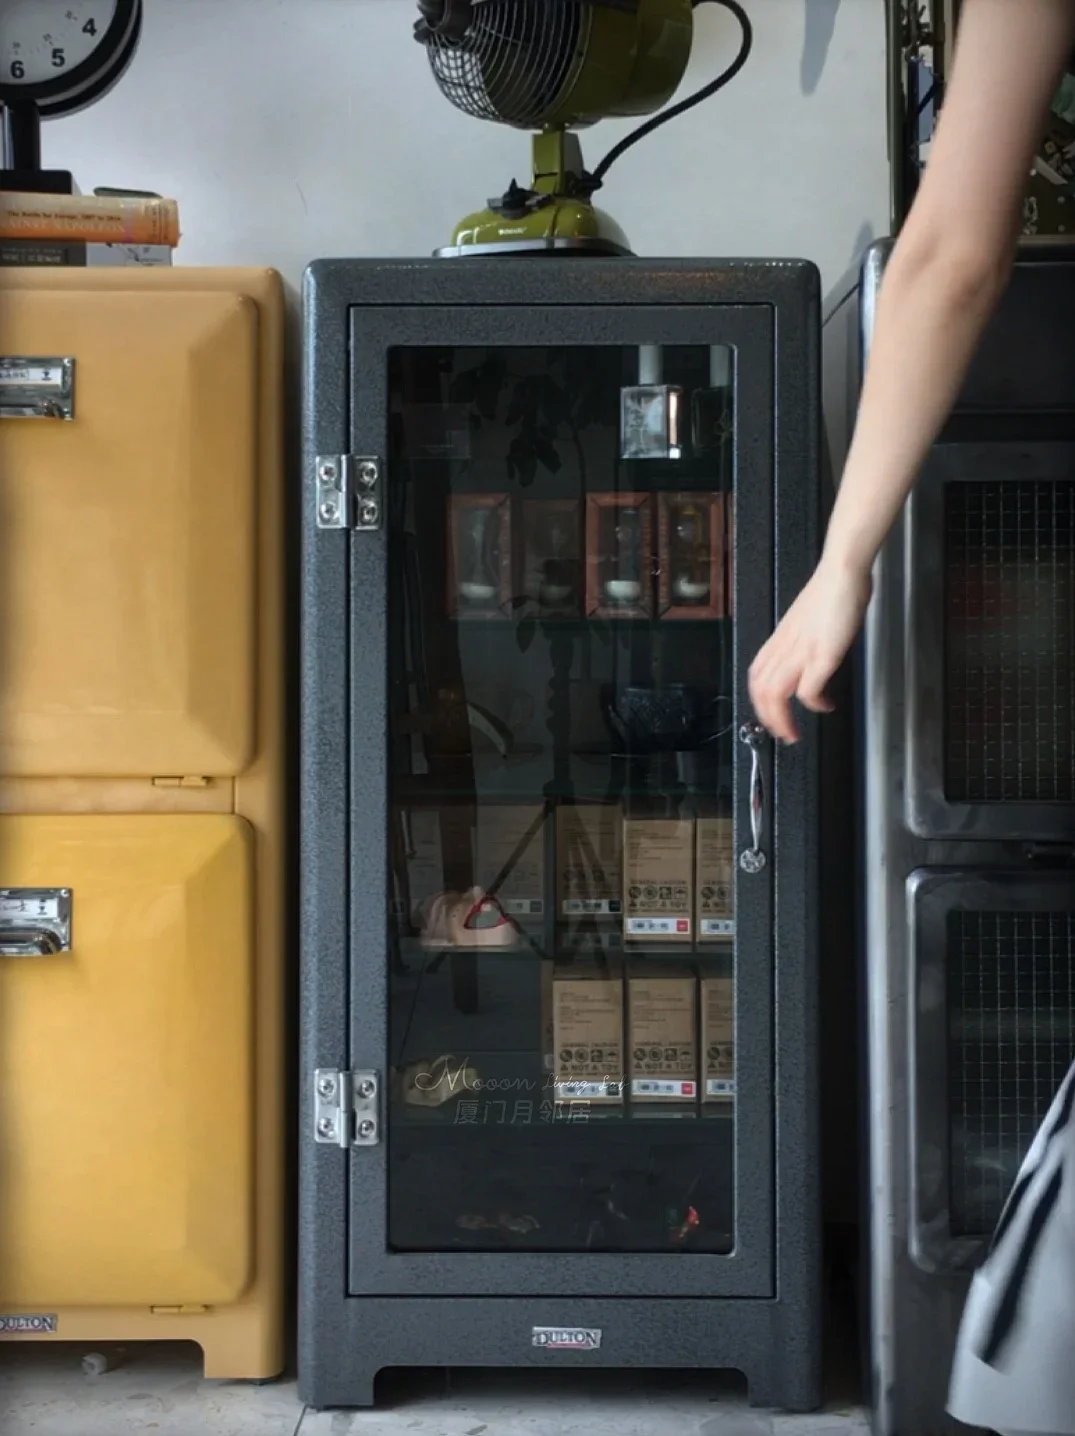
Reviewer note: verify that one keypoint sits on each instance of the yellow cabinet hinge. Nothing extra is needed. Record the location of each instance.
(189, 1309)
(181, 782)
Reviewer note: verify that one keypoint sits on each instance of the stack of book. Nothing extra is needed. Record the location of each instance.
(110, 228)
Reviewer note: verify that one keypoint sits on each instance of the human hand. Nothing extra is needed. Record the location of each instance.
(807, 648)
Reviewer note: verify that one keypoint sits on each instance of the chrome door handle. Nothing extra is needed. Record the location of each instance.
(29, 942)
(752, 859)
(35, 922)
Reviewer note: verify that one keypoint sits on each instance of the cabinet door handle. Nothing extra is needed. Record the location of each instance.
(29, 942)
(752, 859)
(37, 387)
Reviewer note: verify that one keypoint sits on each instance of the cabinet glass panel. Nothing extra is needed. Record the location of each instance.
(560, 738)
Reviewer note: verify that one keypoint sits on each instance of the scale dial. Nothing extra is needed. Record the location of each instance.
(61, 55)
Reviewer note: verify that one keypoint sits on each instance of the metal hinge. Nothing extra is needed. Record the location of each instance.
(347, 491)
(190, 1308)
(187, 782)
(346, 1106)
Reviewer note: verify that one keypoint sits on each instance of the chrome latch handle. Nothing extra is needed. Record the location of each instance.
(35, 922)
(29, 942)
(752, 859)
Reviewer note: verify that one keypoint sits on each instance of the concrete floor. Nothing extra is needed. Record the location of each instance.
(158, 1389)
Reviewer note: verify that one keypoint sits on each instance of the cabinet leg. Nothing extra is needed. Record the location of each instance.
(350, 1390)
(774, 1386)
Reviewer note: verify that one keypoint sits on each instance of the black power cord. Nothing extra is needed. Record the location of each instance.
(596, 179)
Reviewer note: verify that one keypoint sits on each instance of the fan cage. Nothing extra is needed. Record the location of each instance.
(517, 61)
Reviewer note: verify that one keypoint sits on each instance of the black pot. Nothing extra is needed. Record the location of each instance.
(673, 718)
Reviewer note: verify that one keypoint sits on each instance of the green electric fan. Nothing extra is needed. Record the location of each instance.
(554, 67)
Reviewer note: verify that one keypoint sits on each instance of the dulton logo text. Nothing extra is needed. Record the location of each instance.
(567, 1338)
(27, 1323)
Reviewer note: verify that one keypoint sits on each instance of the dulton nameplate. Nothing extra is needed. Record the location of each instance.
(567, 1338)
(37, 388)
(34, 1324)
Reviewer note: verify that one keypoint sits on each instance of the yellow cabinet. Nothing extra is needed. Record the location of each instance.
(129, 536)
(125, 1061)
(141, 810)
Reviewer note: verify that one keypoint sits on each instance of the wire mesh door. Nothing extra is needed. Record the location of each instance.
(993, 1037)
(991, 687)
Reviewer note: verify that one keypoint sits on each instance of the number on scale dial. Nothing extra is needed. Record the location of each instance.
(61, 54)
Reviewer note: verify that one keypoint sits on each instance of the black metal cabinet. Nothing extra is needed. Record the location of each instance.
(558, 1108)
(968, 751)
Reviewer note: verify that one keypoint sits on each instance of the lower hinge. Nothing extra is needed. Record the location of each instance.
(347, 492)
(191, 1308)
(346, 1108)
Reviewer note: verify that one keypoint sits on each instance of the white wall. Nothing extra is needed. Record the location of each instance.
(291, 129)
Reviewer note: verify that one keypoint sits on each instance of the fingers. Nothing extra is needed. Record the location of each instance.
(813, 684)
(773, 681)
(777, 676)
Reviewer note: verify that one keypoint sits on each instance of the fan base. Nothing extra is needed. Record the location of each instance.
(559, 226)
(557, 245)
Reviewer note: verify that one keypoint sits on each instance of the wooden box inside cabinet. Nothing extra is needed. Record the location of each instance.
(141, 817)
(619, 555)
(479, 556)
(690, 555)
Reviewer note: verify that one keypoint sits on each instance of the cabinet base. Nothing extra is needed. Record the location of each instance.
(770, 1343)
(241, 1343)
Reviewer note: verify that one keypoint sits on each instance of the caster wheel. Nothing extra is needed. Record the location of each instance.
(97, 1363)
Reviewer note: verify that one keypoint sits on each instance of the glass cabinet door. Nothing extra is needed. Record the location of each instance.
(561, 912)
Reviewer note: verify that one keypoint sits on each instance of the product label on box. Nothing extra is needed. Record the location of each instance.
(510, 852)
(522, 907)
(717, 927)
(579, 1090)
(658, 927)
(718, 1036)
(716, 878)
(588, 859)
(658, 859)
(663, 1087)
(590, 907)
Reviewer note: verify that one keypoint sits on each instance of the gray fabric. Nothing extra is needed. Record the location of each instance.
(1014, 1369)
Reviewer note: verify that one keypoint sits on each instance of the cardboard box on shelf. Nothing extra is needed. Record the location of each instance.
(662, 1045)
(715, 878)
(589, 860)
(427, 837)
(718, 1039)
(658, 872)
(547, 1038)
(587, 1019)
(516, 835)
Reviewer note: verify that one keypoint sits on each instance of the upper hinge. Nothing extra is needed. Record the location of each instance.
(347, 491)
(190, 1308)
(346, 1108)
(186, 782)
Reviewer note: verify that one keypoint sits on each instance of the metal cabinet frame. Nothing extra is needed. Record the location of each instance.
(771, 1331)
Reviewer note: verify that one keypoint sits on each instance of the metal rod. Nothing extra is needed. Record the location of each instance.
(21, 137)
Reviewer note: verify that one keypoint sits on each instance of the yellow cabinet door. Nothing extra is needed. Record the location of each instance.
(127, 537)
(126, 1084)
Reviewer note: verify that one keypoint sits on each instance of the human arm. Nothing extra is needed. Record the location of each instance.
(948, 269)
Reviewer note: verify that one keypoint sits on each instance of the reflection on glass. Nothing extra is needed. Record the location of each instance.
(478, 582)
(562, 986)
(689, 556)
